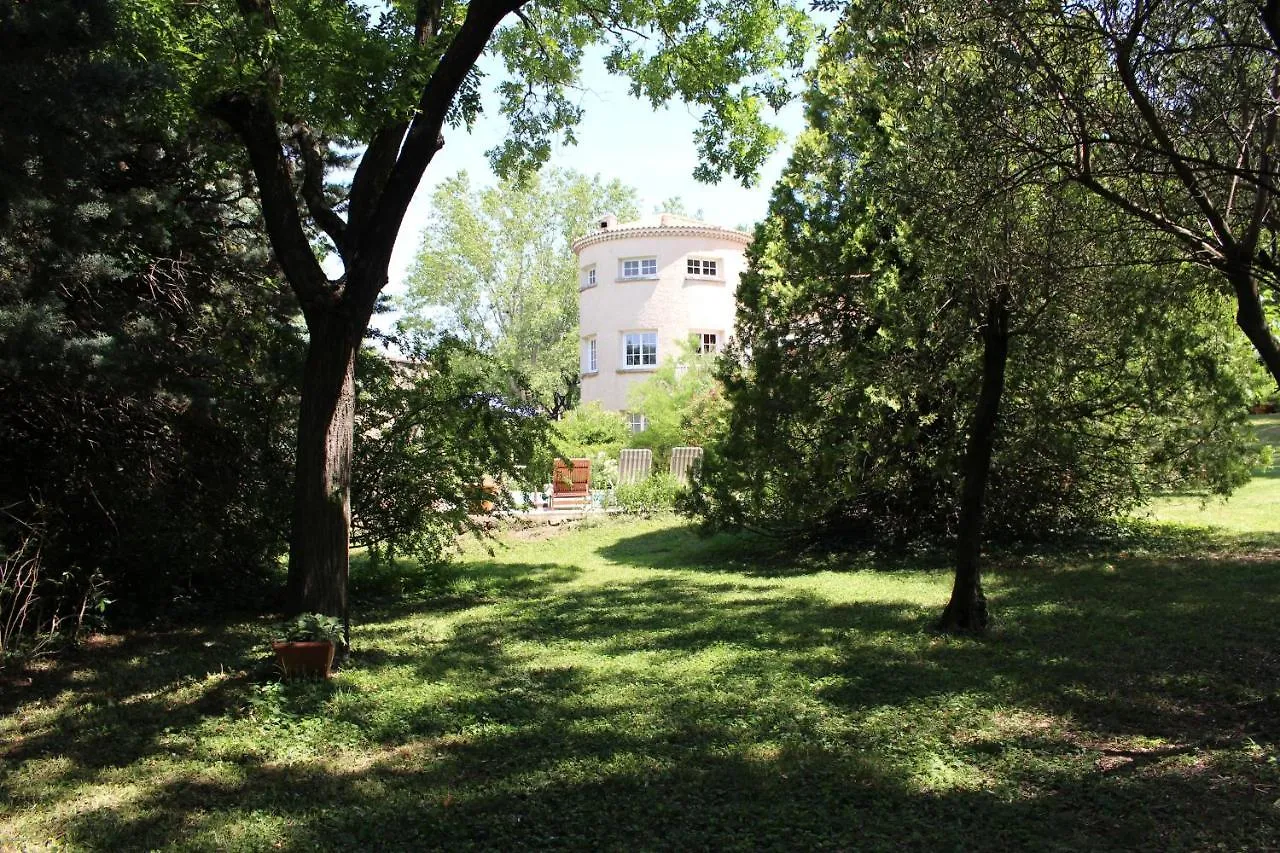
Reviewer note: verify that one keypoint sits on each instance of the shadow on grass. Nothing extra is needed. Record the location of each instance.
(408, 582)
(793, 800)
(677, 713)
(753, 555)
(129, 689)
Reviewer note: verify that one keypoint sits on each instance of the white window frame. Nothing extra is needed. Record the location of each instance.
(714, 273)
(644, 268)
(588, 277)
(717, 340)
(642, 335)
(590, 356)
(637, 422)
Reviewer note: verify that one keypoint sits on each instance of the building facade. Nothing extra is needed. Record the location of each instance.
(644, 288)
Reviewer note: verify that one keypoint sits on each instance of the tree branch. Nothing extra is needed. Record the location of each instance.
(1270, 14)
(313, 187)
(427, 25)
(1263, 195)
(1197, 242)
(371, 176)
(423, 140)
(253, 121)
(1147, 112)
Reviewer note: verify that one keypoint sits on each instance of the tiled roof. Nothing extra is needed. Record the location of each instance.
(660, 225)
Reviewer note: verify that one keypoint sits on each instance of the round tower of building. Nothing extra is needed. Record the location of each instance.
(644, 288)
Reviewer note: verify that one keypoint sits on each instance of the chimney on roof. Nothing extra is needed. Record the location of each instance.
(608, 221)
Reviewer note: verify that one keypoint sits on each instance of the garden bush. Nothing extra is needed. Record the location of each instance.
(658, 493)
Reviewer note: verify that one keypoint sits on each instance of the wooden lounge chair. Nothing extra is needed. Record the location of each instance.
(571, 484)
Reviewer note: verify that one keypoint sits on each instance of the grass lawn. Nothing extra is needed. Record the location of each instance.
(631, 686)
(1253, 508)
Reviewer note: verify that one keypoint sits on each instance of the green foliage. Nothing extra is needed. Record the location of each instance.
(682, 403)
(604, 471)
(658, 492)
(900, 218)
(1155, 109)
(144, 344)
(495, 269)
(433, 443)
(305, 85)
(587, 431)
(349, 69)
(312, 628)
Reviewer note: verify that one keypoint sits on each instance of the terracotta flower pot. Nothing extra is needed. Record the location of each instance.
(304, 659)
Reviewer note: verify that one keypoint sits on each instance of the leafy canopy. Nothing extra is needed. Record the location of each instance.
(898, 223)
(349, 68)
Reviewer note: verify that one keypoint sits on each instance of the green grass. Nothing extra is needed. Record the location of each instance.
(1252, 509)
(631, 686)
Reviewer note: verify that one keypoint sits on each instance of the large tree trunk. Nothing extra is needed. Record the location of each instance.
(318, 548)
(1251, 317)
(967, 610)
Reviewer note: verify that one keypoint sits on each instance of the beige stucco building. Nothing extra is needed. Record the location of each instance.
(646, 286)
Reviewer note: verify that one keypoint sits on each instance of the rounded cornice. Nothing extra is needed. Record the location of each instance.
(645, 231)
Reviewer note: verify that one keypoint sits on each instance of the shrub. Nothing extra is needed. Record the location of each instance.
(657, 493)
(682, 402)
(432, 443)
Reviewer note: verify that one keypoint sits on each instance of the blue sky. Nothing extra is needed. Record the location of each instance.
(620, 137)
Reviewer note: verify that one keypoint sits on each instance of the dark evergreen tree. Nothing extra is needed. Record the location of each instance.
(145, 353)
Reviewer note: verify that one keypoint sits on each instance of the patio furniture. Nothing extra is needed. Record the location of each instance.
(634, 466)
(571, 484)
(682, 461)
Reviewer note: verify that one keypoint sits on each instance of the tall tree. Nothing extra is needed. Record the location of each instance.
(495, 269)
(936, 340)
(302, 82)
(146, 355)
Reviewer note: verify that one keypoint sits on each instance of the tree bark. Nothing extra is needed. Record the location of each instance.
(338, 312)
(1251, 317)
(967, 610)
(318, 552)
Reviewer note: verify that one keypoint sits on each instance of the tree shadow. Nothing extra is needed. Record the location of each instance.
(754, 555)
(733, 713)
(468, 585)
(129, 689)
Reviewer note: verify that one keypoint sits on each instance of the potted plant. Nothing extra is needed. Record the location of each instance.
(307, 646)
